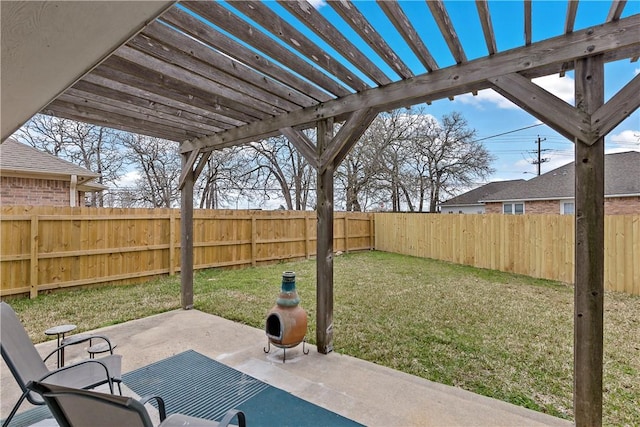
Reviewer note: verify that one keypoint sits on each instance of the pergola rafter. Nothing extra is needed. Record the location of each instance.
(212, 75)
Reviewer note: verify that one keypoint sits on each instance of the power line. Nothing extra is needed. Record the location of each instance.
(508, 132)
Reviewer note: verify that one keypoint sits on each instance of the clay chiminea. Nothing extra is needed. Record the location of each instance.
(286, 324)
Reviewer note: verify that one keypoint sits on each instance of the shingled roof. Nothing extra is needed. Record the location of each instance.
(474, 197)
(23, 160)
(622, 178)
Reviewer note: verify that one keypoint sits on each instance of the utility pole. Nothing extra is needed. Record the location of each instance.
(540, 159)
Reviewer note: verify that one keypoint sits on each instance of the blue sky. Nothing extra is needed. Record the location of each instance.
(489, 113)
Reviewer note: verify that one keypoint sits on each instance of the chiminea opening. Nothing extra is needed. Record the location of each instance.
(274, 327)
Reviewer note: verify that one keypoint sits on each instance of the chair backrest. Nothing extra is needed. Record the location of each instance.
(76, 407)
(18, 351)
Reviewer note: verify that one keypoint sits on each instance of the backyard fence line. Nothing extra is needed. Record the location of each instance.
(44, 248)
(534, 245)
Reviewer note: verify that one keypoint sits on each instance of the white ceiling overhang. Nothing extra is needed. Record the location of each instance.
(49, 45)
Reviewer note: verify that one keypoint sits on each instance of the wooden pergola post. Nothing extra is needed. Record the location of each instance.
(589, 251)
(186, 233)
(325, 156)
(324, 257)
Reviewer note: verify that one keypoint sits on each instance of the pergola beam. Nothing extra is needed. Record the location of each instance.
(553, 111)
(619, 35)
(348, 134)
(618, 108)
(302, 144)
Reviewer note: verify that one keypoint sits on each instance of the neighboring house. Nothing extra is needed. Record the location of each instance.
(32, 177)
(553, 192)
(470, 202)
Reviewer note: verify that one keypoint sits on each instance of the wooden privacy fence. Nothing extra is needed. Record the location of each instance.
(535, 245)
(46, 248)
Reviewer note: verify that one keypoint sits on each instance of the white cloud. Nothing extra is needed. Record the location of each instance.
(128, 180)
(486, 98)
(563, 88)
(627, 140)
(317, 4)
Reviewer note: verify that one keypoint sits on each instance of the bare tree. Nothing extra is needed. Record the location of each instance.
(279, 164)
(93, 147)
(224, 179)
(376, 168)
(451, 157)
(158, 164)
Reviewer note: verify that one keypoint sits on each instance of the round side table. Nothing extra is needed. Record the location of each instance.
(60, 332)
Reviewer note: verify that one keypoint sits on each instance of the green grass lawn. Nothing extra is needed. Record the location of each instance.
(497, 334)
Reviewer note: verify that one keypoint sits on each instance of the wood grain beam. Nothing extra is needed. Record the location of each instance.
(589, 253)
(303, 144)
(286, 32)
(441, 16)
(399, 20)
(347, 135)
(208, 35)
(114, 120)
(74, 96)
(148, 79)
(149, 131)
(618, 108)
(617, 6)
(152, 104)
(308, 14)
(572, 9)
(554, 112)
(194, 56)
(324, 245)
(473, 75)
(487, 27)
(187, 167)
(152, 98)
(186, 236)
(225, 19)
(238, 100)
(201, 164)
(527, 22)
(352, 16)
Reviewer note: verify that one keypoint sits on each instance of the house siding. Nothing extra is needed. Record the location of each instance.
(612, 206)
(35, 192)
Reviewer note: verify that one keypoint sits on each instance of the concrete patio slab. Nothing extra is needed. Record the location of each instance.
(365, 392)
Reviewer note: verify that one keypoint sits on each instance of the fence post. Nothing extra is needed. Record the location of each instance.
(306, 235)
(346, 233)
(254, 244)
(33, 291)
(372, 231)
(172, 245)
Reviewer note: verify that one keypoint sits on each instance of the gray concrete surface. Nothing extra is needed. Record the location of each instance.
(365, 392)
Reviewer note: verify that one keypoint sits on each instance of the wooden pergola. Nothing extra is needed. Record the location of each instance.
(212, 75)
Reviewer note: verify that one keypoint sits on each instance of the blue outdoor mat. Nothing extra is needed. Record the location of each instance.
(193, 384)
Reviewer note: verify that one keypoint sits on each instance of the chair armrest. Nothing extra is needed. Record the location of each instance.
(161, 409)
(229, 415)
(78, 339)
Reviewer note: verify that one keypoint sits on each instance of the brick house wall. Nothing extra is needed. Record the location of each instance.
(493, 208)
(35, 192)
(612, 206)
(622, 205)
